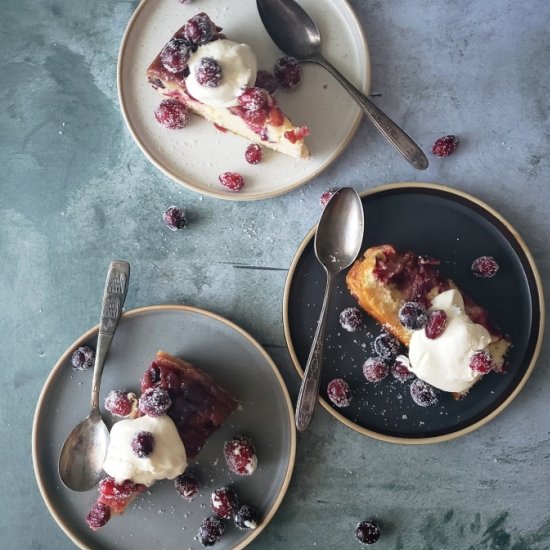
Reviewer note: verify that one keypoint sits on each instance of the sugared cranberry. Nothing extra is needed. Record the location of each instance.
(327, 195)
(413, 315)
(481, 362)
(386, 346)
(154, 402)
(254, 100)
(265, 80)
(352, 319)
(253, 154)
(240, 455)
(232, 180)
(199, 29)
(143, 444)
(174, 217)
(175, 55)
(187, 485)
(98, 516)
(83, 358)
(339, 393)
(117, 495)
(437, 321)
(288, 72)
(485, 267)
(444, 146)
(296, 134)
(375, 369)
(423, 394)
(224, 502)
(246, 518)
(172, 114)
(400, 369)
(211, 531)
(118, 403)
(367, 532)
(209, 73)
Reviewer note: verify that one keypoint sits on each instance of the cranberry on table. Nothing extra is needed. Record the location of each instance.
(326, 195)
(187, 485)
(209, 73)
(154, 402)
(437, 322)
(253, 154)
(172, 114)
(143, 444)
(339, 393)
(481, 362)
(444, 146)
(175, 55)
(367, 532)
(265, 80)
(288, 72)
(98, 516)
(118, 403)
(351, 319)
(211, 531)
(175, 218)
(199, 30)
(246, 518)
(224, 503)
(375, 369)
(232, 180)
(240, 455)
(386, 346)
(413, 315)
(423, 394)
(485, 267)
(83, 358)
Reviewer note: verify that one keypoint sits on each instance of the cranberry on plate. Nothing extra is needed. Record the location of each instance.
(240, 455)
(339, 393)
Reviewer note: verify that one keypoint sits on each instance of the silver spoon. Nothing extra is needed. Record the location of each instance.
(84, 450)
(338, 241)
(296, 34)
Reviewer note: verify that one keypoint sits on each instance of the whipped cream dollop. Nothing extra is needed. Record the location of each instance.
(167, 461)
(239, 67)
(444, 362)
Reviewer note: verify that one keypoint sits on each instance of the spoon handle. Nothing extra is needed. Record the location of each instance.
(309, 390)
(389, 129)
(114, 295)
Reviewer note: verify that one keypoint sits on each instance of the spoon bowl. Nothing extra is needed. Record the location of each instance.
(338, 240)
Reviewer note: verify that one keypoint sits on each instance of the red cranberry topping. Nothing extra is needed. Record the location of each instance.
(254, 100)
(83, 358)
(423, 394)
(232, 181)
(220, 128)
(118, 403)
(375, 369)
(211, 531)
(276, 117)
(386, 346)
(98, 516)
(265, 80)
(352, 319)
(481, 362)
(240, 455)
(413, 315)
(154, 402)
(288, 72)
(175, 218)
(367, 532)
(199, 29)
(175, 55)
(400, 371)
(247, 517)
(172, 114)
(224, 502)
(253, 154)
(437, 321)
(295, 135)
(187, 485)
(444, 146)
(209, 73)
(339, 393)
(143, 444)
(327, 195)
(117, 495)
(485, 267)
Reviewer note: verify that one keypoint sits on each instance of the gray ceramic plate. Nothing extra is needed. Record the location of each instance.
(160, 519)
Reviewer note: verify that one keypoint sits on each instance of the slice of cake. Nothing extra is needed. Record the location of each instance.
(216, 78)
(452, 342)
(179, 408)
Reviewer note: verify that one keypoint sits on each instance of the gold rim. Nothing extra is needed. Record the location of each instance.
(133, 313)
(219, 194)
(536, 351)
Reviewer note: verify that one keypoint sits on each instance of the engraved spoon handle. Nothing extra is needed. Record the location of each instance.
(309, 390)
(114, 295)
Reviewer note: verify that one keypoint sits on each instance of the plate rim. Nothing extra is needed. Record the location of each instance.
(445, 189)
(221, 194)
(62, 523)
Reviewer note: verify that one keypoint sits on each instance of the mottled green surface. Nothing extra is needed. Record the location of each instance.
(76, 192)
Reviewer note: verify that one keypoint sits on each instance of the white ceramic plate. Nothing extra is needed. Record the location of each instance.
(196, 155)
(161, 519)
